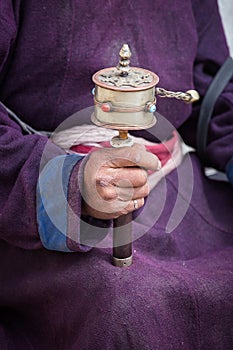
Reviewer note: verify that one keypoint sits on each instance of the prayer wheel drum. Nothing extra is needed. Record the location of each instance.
(124, 96)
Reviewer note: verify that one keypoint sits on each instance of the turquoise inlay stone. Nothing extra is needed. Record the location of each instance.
(152, 109)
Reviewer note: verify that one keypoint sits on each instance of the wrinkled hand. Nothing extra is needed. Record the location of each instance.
(114, 178)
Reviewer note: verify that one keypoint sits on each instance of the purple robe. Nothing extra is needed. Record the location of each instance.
(178, 292)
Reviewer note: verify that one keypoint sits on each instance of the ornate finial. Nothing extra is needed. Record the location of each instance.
(125, 55)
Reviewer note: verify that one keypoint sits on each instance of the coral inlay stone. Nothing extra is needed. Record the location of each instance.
(106, 107)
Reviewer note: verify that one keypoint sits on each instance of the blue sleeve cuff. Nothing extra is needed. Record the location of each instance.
(229, 170)
(52, 203)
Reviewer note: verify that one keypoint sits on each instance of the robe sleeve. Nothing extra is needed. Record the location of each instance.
(212, 51)
(20, 157)
(40, 202)
(40, 198)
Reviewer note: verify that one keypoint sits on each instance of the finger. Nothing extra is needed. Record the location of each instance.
(135, 155)
(132, 206)
(129, 177)
(126, 194)
(111, 193)
(121, 177)
(113, 210)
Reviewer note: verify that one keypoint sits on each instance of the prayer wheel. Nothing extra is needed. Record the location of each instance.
(125, 99)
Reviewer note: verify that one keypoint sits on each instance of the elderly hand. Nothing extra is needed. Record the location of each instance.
(114, 178)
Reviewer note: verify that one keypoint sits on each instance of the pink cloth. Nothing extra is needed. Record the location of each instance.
(162, 150)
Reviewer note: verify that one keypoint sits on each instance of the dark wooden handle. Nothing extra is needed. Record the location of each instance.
(122, 241)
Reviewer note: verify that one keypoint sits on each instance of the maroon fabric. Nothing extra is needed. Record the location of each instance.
(178, 292)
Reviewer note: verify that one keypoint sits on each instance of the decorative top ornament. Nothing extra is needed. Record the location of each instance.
(123, 77)
(124, 62)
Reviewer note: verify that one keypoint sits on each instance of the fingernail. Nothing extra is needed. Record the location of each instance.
(159, 165)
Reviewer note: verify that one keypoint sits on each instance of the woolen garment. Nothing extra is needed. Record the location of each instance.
(67, 296)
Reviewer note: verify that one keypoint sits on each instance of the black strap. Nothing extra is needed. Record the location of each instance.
(216, 87)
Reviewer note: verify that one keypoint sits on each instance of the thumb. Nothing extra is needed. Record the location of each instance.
(136, 155)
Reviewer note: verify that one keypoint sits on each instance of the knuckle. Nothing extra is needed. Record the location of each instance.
(107, 194)
(124, 211)
(102, 179)
(125, 208)
(143, 176)
(146, 190)
(134, 153)
(142, 201)
(139, 153)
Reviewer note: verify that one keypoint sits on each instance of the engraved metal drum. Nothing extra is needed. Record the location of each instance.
(124, 96)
